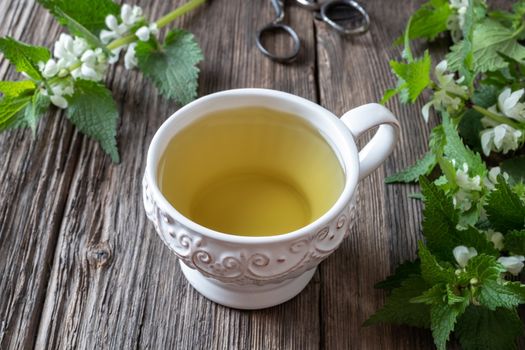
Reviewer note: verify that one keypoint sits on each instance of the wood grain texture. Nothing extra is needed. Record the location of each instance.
(113, 283)
(82, 268)
(35, 175)
(354, 71)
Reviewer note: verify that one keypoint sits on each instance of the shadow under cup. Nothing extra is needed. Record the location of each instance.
(251, 171)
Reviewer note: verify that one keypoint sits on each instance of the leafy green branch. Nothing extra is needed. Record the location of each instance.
(474, 216)
(71, 77)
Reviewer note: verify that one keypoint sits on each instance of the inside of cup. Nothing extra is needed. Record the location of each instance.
(250, 171)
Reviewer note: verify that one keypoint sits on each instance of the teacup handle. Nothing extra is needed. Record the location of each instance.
(365, 117)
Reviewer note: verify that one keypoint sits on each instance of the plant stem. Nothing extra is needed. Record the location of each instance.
(497, 117)
(170, 17)
(162, 22)
(128, 39)
(519, 30)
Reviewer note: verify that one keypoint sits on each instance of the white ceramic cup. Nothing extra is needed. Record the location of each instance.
(257, 272)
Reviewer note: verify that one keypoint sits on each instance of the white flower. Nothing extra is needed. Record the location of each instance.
(130, 15)
(63, 88)
(494, 172)
(59, 90)
(116, 30)
(450, 93)
(463, 254)
(496, 238)
(509, 105)
(462, 200)
(93, 65)
(513, 264)
(502, 138)
(130, 60)
(447, 82)
(143, 33)
(115, 54)
(464, 181)
(68, 50)
(48, 69)
(492, 179)
(468, 188)
(58, 101)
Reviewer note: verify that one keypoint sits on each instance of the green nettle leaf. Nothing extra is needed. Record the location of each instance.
(443, 318)
(34, 111)
(512, 76)
(453, 298)
(435, 295)
(476, 10)
(93, 111)
(486, 96)
(515, 167)
(24, 57)
(515, 242)
(484, 268)
(440, 220)
(415, 75)
(470, 127)
(437, 140)
(504, 208)
(422, 167)
(493, 291)
(429, 20)
(440, 226)
(512, 19)
(399, 310)
(173, 68)
(455, 149)
(12, 110)
(494, 294)
(403, 272)
(489, 38)
(479, 328)
(89, 14)
(17, 88)
(431, 270)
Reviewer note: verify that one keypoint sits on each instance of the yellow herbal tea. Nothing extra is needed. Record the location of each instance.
(250, 171)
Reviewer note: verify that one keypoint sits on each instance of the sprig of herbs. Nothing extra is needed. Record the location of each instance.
(71, 78)
(474, 216)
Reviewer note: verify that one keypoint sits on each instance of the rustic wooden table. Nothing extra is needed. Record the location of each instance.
(81, 267)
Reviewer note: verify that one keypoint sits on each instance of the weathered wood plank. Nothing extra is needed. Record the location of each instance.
(354, 71)
(35, 174)
(113, 283)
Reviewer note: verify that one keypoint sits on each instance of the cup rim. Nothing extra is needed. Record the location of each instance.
(350, 161)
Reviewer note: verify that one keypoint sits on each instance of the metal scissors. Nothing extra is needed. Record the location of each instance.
(331, 12)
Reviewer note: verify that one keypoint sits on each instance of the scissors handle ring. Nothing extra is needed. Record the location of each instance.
(309, 5)
(350, 3)
(273, 27)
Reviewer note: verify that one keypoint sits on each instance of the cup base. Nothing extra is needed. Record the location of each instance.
(248, 297)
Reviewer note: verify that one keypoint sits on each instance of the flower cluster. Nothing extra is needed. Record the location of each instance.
(469, 188)
(469, 192)
(74, 58)
(501, 137)
(71, 56)
(450, 94)
(130, 18)
(513, 264)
